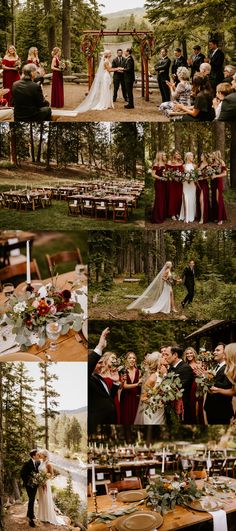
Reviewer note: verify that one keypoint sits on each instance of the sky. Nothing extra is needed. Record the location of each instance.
(111, 6)
(72, 383)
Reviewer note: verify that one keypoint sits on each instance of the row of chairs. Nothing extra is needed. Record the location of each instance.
(25, 202)
(12, 272)
(118, 211)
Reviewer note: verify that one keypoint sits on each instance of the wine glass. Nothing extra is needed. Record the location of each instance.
(53, 330)
(8, 290)
(113, 493)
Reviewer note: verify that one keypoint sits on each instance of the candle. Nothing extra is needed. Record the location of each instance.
(28, 275)
(93, 478)
(209, 461)
(163, 461)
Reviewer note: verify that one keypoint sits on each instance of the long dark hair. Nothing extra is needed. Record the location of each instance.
(201, 84)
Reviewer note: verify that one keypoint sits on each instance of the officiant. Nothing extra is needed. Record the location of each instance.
(118, 78)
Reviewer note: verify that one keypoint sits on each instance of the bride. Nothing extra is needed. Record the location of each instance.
(159, 296)
(46, 508)
(100, 95)
(156, 369)
(188, 207)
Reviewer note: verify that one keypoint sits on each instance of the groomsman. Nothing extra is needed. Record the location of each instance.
(179, 60)
(129, 77)
(218, 407)
(162, 68)
(196, 60)
(216, 60)
(118, 77)
(186, 375)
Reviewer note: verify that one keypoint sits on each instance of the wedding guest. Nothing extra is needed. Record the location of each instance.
(57, 96)
(216, 59)
(229, 71)
(196, 60)
(11, 66)
(178, 61)
(205, 70)
(130, 394)
(228, 107)
(175, 187)
(162, 68)
(129, 78)
(218, 406)
(109, 374)
(203, 200)
(180, 93)
(186, 375)
(222, 90)
(28, 99)
(202, 108)
(230, 371)
(190, 357)
(33, 58)
(159, 212)
(118, 76)
(217, 187)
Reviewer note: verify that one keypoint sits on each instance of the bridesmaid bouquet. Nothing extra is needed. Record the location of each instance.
(168, 390)
(64, 64)
(205, 382)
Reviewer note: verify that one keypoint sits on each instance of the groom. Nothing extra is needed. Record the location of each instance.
(118, 77)
(188, 279)
(26, 472)
(129, 77)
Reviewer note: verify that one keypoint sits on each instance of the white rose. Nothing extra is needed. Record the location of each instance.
(20, 307)
(42, 292)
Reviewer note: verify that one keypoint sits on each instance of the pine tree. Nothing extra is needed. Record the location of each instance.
(49, 401)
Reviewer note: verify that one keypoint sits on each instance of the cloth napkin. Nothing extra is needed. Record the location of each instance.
(9, 342)
(219, 520)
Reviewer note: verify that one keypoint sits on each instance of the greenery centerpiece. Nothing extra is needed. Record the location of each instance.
(165, 493)
(28, 314)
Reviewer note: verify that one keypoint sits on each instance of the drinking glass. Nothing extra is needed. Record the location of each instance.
(8, 290)
(113, 493)
(53, 330)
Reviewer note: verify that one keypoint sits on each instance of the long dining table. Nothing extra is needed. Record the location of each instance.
(72, 346)
(180, 518)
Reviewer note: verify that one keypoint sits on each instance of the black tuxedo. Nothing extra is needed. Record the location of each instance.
(189, 282)
(177, 63)
(101, 407)
(228, 108)
(29, 102)
(216, 62)
(26, 473)
(129, 78)
(186, 375)
(118, 77)
(197, 60)
(218, 408)
(162, 68)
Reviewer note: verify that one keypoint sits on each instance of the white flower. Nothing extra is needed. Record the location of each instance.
(20, 307)
(42, 292)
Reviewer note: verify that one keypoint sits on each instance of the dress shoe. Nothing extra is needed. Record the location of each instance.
(182, 304)
(129, 107)
(31, 523)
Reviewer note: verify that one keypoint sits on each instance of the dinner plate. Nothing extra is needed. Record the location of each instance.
(205, 504)
(139, 521)
(132, 495)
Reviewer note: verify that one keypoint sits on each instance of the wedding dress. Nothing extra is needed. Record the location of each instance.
(156, 417)
(188, 207)
(156, 298)
(100, 96)
(46, 508)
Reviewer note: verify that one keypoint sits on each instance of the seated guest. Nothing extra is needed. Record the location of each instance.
(228, 107)
(222, 90)
(180, 93)
(179, 61)
(205, 69)
(28, 99)
(229, 71)
(196, 60)
(201, 110)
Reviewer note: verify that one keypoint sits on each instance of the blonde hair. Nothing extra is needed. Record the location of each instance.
(168, 265)
(187, 155)
(217, 157)
(55, 50)
(230, 371)
(105, 359)
(153, 361)
(14, 53)
(128, 354)
(193, 352)
(106, 53)
(159, 157)
(32, 53)
(45, 453)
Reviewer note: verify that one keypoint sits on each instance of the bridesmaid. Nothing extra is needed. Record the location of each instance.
(217, 186)
(33, 57)
(10, 65)
(159, 212)
(175, 188)
(110, 375)
(196, 403)
(130, 395)
(203, 201)
(57, 98)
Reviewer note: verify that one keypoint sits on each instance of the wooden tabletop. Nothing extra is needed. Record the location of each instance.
(179, 518)
(70, 347)
(21, 235)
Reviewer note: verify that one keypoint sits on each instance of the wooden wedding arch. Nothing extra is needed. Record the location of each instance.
(91, 41)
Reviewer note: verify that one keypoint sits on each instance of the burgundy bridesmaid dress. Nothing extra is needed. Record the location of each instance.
(159, 212)
(129, 400)
(218, 207)
(109, 383)
(203, 187)
(175, 193)
(9, 77)
(57, 97)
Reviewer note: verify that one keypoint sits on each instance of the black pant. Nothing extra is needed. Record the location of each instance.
(165, 91)
(189, 297)
(129, 91)
(117, 81)
(31, 491)
(43, 114)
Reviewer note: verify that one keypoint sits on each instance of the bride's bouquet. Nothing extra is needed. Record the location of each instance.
(190, 176)
(38, 479)
(205, 381)
(167, 391)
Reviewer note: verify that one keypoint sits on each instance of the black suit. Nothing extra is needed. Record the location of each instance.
(216, 62)
(101, 407)
(186, 375)
(189, 282)
(218, 408)
(129, 78)
(118, 77)
(162, 68)
(177, 63)
(26, 473)
(197, 60)
(29, 102)
(228, 108)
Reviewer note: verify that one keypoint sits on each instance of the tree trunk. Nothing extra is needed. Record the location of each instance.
(233, 157)
(32, 142)
(66, 37)
(40, 143)
(51, 32)
(48, 159)
(13, 146)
